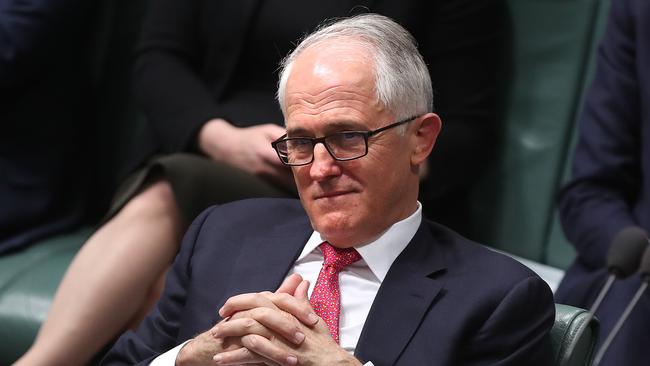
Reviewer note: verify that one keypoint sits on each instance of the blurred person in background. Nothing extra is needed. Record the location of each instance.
(610, 187)
(44, 155)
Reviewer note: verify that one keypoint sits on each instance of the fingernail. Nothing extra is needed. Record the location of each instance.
(312, 318)
(217, 358)
(221, 312)
(298, 337)
(292, 360)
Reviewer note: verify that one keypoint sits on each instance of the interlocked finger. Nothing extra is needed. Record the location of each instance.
(269, 350)
(300, 308)
(264, 322)
(246, 302)
(241, 356)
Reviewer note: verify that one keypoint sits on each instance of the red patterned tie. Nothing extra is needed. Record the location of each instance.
(325, 299)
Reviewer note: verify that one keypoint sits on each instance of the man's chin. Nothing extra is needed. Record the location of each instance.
(335, 226)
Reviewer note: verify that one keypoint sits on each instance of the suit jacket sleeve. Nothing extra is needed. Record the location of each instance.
(167, 78)
(596, 204)
(158, 331)
(517, 332)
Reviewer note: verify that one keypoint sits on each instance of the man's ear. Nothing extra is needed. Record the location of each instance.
(425, 132)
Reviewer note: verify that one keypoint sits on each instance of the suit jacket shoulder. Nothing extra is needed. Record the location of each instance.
(449, 301)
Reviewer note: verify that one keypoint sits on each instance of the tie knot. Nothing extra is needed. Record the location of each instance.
(338, 258)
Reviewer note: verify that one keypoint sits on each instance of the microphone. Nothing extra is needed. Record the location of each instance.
(623, 259)
(644, 271)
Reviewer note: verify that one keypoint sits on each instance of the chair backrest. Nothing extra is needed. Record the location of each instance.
(573, 330)
(549, 55)
(559, 252)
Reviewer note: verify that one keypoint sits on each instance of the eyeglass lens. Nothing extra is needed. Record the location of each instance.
(343, 145)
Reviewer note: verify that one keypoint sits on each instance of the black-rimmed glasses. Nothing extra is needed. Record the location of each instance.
(342, 146)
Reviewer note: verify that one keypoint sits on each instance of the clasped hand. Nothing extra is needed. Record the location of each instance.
(267, 328)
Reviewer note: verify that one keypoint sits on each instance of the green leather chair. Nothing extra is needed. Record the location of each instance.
(551, 50)
(573, 330)
(28, 280)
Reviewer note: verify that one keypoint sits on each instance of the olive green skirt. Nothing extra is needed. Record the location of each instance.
(197, 183)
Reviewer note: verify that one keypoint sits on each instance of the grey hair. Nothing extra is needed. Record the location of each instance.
(402, 81)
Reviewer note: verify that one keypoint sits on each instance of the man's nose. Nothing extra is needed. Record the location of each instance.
(324, 165)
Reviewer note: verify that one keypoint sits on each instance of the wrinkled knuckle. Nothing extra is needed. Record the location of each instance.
(249, 323)
(250, 341)
(296, 325)
(220, 342)
(305, 312)
(246, 354)
(215, 330)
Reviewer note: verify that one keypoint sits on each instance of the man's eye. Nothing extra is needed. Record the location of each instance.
(299, 143)
(349, 135)
(302, 142)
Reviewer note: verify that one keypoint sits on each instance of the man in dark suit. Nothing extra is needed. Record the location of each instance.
(393, 289)
(610, 187)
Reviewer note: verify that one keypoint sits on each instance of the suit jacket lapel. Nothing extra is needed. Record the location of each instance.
(404, 297)
(265, 264)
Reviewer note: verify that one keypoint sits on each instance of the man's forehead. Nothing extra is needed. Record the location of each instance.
(320, 79)
(338, 107)
(331, 62)
(331, 86)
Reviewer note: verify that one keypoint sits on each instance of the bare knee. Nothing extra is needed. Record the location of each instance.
(157, 199)
(151, 218)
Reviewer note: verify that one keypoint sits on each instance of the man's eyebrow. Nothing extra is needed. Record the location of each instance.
(298, 132)
(348, 125)
(332, 127)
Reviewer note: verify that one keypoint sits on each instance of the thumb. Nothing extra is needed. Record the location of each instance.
(301, 290)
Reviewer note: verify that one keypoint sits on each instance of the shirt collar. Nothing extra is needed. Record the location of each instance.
(379, 254)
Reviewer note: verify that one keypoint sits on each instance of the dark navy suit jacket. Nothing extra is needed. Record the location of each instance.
(610, 188)
(444, 301)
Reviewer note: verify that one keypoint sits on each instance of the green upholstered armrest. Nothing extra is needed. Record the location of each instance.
(572, 327)
(28, 281)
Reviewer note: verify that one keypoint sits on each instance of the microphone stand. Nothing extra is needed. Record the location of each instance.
(592, 310)
(621, 320)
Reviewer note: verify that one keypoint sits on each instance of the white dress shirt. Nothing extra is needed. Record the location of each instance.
(359, 282)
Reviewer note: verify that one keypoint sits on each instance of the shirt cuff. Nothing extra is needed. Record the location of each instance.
(168, 358)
